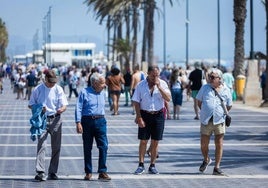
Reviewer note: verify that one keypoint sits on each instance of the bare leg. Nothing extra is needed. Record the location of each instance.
(154, 150)
(219, 149)
(142, 150)
(204, 142)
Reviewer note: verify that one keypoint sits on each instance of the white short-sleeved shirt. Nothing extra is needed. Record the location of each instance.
(148, 101)
(51, 98)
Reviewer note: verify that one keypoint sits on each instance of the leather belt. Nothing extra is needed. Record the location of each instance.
(152, 112)
(53, 116)
(94, 116)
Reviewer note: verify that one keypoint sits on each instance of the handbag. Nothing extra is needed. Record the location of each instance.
(228, 118)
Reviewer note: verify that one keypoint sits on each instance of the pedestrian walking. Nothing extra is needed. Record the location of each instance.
(149, 98)
(195, 83)
(91, 123)
(136, 77)
(114, 83)
(212, 118)
(54, 103)
(127, 78)
(176, 85)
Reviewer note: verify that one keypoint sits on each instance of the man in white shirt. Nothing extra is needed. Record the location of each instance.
(54, 102)
(148, 99)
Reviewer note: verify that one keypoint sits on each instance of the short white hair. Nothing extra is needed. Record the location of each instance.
(95, 77)
(215, 71)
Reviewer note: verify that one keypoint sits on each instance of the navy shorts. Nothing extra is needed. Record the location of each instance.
(154, 126)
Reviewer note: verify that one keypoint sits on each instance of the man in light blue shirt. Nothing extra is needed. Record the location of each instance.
(91, 123)
(212, 117)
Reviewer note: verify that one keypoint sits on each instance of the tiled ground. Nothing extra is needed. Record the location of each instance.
(245, 150)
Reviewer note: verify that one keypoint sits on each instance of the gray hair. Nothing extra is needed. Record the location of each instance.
(95, 77)
(215, 71)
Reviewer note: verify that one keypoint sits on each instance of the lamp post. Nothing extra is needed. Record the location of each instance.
(251, 31)
(47, 36)
(219, 35)
(187, 33)
(164, 32)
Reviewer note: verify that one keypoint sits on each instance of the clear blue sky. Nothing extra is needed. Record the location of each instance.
(70, 18)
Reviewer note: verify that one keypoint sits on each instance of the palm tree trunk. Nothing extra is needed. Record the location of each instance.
(239, 19)
(144, 37)
(150, 31)
(135, 33)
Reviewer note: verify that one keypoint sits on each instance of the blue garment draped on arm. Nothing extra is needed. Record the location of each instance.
(37, 121)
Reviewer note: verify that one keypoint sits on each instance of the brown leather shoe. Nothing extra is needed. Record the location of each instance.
(88, 176)
(104, 176)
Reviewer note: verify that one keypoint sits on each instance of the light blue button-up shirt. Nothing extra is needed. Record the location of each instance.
(89, 103)
(211, 104)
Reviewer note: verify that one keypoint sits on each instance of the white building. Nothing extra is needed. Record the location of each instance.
(38, 57)
(79, 54)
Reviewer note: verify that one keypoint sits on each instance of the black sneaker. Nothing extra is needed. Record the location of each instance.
(153, 170)
(218, 172)
(204, 165)
(53, 176)
(40, 176)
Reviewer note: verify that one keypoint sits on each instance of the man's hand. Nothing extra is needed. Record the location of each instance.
(140, 122)
(79, 128)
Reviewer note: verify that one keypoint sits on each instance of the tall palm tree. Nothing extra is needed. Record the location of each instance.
(118, 13)
(240, 13)
(3, 41)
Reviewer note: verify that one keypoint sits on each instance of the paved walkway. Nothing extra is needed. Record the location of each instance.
(244, 161)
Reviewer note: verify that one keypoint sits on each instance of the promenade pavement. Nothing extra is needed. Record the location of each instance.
(245, 158)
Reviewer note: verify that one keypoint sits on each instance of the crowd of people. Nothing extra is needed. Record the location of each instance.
(148, 94)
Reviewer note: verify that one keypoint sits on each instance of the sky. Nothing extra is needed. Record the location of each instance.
(73, 18)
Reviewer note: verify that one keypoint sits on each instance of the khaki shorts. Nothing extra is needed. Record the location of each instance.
(210, 128)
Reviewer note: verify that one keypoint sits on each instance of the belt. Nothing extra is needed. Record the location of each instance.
(53, 116)
(94, 116)
(152, 112)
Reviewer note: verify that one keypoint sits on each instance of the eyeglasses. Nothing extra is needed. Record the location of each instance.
(213, 77)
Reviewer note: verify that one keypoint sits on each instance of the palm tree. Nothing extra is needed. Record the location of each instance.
(3, 41)
(240, 13)
(117, 10)
(118, 13)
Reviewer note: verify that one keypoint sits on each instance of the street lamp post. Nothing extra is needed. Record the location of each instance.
(187, 33)
(47, 36)
(219, 35)
(49, 33)
(164, 32)
(251, 31)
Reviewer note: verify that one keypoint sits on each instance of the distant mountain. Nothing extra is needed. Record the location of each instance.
(21, 46)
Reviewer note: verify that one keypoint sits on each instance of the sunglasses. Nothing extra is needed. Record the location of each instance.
(213, 77)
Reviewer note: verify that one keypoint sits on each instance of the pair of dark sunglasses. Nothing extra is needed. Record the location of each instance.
(213, 77)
